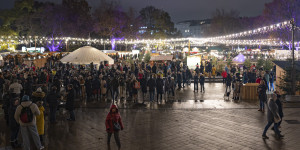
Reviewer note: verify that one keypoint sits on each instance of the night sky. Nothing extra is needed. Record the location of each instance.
(181, 10)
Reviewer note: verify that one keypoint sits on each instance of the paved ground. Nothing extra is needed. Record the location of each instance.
(183, 122)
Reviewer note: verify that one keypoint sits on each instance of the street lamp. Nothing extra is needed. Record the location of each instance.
(292, 22)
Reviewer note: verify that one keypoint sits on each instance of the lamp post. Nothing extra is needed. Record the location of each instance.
(293, 57)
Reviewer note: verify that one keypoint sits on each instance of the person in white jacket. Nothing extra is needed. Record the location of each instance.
(28, 129)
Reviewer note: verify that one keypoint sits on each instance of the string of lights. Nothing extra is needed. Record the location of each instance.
(226, 39)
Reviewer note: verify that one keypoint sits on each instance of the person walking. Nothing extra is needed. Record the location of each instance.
(25, 115)
(262, 88)
(113, 125)
(279, 105)
(53, 101)
(202, 80)
(273, 117)
(70, 102)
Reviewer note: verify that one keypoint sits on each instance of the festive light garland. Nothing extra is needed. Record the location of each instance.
(226, 39)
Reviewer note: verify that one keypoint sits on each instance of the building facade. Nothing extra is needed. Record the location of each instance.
(193, 28)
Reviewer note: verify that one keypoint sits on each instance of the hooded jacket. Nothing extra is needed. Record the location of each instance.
(113, 117)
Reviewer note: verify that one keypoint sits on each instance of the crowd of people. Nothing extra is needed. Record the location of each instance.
(39, 88)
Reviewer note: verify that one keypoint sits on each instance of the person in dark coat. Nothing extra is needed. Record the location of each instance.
(273, 117)
(228, 83)
(134, 90)
(70, 102)
(159, 88)
(262, 88)
(115, 88)
(172, 86)
(144, 87)
(196, 81)
(14, 126)
(113, 125)
(151, 84)
(179, 80)
(53, 102)
(202, 80)
(154, 68)
(88, 88)
(279, 105)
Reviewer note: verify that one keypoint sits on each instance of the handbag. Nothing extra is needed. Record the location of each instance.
(117, 126)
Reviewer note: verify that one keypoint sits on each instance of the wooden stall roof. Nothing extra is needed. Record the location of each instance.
(162, 58)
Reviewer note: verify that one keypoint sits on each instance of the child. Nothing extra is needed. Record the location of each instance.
(40, 121)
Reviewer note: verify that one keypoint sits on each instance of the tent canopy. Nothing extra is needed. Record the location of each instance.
(85, 55)
(240, 58)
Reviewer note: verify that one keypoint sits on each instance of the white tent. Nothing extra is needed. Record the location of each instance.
(85, 55)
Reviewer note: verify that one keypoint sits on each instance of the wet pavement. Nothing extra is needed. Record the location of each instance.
(187, 121)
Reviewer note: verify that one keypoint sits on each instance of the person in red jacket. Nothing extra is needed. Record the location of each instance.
(258, 79)
(113, 125)
(224, 75)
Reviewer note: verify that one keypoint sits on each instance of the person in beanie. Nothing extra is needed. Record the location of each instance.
(113, 125)
(273, 117)
(28, 129)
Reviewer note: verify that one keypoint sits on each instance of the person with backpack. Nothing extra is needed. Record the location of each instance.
(113, 125)
(25, 115)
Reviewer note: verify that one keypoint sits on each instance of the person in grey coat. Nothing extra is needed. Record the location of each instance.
(273, 117)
